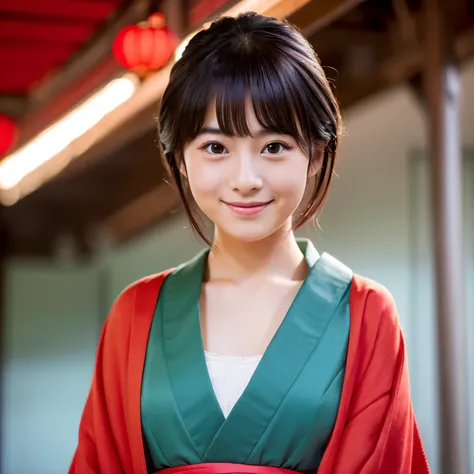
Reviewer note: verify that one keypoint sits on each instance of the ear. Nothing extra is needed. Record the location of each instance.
(316, 161)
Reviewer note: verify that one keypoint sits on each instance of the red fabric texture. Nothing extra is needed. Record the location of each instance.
(225, 468)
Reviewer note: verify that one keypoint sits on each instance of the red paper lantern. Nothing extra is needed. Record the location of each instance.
(8, 133)
(145, 47)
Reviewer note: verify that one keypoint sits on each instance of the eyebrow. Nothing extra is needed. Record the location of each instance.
(262, 132)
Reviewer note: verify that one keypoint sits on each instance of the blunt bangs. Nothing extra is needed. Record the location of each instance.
(277, 103)
(279, 81)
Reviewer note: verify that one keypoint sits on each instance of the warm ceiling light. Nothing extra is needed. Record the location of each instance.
(59, 136)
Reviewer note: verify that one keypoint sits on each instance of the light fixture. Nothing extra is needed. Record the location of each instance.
(56, 138)
(145, 47)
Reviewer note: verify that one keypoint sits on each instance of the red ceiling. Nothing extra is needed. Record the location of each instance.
(38, 36)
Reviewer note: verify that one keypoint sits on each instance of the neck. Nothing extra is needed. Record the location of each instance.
(275, 256)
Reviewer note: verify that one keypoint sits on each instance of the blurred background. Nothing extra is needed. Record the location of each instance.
(84, 209)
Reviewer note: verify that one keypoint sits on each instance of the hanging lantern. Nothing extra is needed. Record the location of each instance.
(145, 47)
(8, 133)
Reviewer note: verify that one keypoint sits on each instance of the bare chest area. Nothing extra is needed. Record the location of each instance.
(242, 320)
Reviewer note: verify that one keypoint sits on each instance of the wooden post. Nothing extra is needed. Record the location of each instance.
(442, 93)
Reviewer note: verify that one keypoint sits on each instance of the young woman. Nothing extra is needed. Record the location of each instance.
(259, 355)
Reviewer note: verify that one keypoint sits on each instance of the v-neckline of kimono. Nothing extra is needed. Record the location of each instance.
(181, 322)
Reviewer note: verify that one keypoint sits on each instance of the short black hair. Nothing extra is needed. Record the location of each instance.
(267, 61)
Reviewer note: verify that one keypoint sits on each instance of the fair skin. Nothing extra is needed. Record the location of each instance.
(249, 187)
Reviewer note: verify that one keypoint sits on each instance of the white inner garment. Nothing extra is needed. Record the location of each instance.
(230, 376)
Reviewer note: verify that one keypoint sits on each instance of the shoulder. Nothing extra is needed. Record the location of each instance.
(371, 294)
(143, 291)
(150, 283)
(146, 284)
(374, 317)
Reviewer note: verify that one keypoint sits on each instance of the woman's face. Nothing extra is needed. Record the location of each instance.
(248, 186)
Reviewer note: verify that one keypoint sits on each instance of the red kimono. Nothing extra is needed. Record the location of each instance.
(375, 430)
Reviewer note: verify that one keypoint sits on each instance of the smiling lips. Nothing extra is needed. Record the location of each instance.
(247, 208)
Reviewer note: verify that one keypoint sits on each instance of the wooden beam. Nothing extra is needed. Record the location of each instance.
(463, 12)
(14, 105)
(337, 35)
(417, 87)
(442, 94)
(405, 27)
(464, 45)
(281, 9)
(315, 15)
(400, 67)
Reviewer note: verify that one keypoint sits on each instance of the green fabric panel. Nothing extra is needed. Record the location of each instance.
(287, 412)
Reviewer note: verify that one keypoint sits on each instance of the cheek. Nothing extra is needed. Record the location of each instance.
(202, 178)
(290, 180)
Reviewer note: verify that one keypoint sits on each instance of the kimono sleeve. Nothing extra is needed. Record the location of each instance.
(380, 432)
(103, 439)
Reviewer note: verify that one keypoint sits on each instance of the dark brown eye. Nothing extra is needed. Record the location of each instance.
(274, 148)
(216, 148)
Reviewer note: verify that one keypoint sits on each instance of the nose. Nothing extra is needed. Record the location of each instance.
(246, 177)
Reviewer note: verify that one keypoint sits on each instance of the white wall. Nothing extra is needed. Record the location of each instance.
(159, 249)
(365, 224)
(50, 335)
